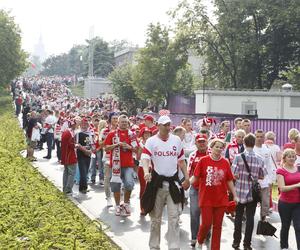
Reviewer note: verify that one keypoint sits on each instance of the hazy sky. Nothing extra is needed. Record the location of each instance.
(64, 23)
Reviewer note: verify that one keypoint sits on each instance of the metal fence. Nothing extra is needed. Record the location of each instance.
(279, 127)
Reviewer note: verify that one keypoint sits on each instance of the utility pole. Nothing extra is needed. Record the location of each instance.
(91, 53)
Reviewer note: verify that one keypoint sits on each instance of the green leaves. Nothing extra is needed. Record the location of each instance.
(155, 74)
(34, 214)
(247, 43)
(12, 57)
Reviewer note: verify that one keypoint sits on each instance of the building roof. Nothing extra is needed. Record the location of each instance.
(247, 92)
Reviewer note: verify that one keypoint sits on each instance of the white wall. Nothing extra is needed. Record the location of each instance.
(96, 87)
(268, 106)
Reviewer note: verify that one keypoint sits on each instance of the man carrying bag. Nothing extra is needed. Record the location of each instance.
(247, 168)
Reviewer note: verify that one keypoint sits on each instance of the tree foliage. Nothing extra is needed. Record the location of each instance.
(103, 57)
(248, 44)
(12, 57)
(121, 79)
(56, 65)
(156, 72)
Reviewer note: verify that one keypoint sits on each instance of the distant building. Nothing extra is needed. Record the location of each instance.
(266, 104)
(39, 50)
(125, 56)
(94, 87)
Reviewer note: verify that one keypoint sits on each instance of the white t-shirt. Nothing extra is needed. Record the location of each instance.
(164, 154)
(265, 153)
(51, 120)
(189, 143)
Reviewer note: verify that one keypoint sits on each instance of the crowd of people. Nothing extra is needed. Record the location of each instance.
(175, 165)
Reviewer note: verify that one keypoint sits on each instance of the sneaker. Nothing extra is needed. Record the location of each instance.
(47, 157)
(118, 211)
(193, 243)
(109, 202)
(101, 183)
(126, 209)
(236, 245)
(84, 191)
(198, 246)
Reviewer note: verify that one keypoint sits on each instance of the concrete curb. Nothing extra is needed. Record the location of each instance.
(103, 226)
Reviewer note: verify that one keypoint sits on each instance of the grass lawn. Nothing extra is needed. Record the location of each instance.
(34, 214)
(78, 89)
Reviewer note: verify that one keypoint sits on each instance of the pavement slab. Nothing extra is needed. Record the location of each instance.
(133, 232)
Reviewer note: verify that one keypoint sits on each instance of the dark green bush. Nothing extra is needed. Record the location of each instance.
(33, 213)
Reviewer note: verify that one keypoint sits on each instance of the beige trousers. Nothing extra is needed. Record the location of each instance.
(174, 210)
(265, 202)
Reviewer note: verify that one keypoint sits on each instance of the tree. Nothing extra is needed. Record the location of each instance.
(77, 57)
(154, 76)
(56, 65)
(118, 45)
(121, 79)
(103, 57)
(12, 57)
(249, 43)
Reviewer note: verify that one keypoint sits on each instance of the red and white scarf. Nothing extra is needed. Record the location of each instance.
(116, 156)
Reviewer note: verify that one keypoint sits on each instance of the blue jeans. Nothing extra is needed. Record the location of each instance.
(194, 212)
(49, 140)
(127, 176)
(289, 212)
(83, 164)
(93, 171)
(77, 175)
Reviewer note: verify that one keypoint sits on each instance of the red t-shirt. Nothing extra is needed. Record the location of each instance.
(125, 155)
(213, 177)
(289, 145)
(292, 196)
(193, 161)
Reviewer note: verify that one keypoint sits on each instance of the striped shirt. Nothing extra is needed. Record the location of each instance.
(243, 185)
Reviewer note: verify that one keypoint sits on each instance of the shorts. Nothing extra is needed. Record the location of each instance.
(127, 176)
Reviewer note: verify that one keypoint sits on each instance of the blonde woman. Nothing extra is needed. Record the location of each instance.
(293, 132)
(276, 154)
(288, 179)
(215, 178)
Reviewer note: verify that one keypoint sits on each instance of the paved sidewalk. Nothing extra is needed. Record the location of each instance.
(133, 232)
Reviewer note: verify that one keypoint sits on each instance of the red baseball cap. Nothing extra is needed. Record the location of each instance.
(201, 137)
(144, 130)
(149, 118)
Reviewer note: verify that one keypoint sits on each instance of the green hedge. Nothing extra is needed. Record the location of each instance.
(33, 213)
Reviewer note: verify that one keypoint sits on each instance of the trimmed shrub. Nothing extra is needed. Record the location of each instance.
(34, 214)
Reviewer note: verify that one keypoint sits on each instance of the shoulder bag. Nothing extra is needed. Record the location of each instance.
(256, 188)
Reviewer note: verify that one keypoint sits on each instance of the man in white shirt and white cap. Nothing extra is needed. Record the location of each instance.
(165, 150)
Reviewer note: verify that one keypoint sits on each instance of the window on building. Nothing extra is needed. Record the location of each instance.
(295, 102)
(249, 108)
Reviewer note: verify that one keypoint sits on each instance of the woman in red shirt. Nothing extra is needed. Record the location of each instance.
(215, 178)
(145, 134)
(288, 179)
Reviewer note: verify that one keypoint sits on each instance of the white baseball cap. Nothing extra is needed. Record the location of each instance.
(164, 119)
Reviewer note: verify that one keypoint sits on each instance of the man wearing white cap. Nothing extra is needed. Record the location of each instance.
(165, 150)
